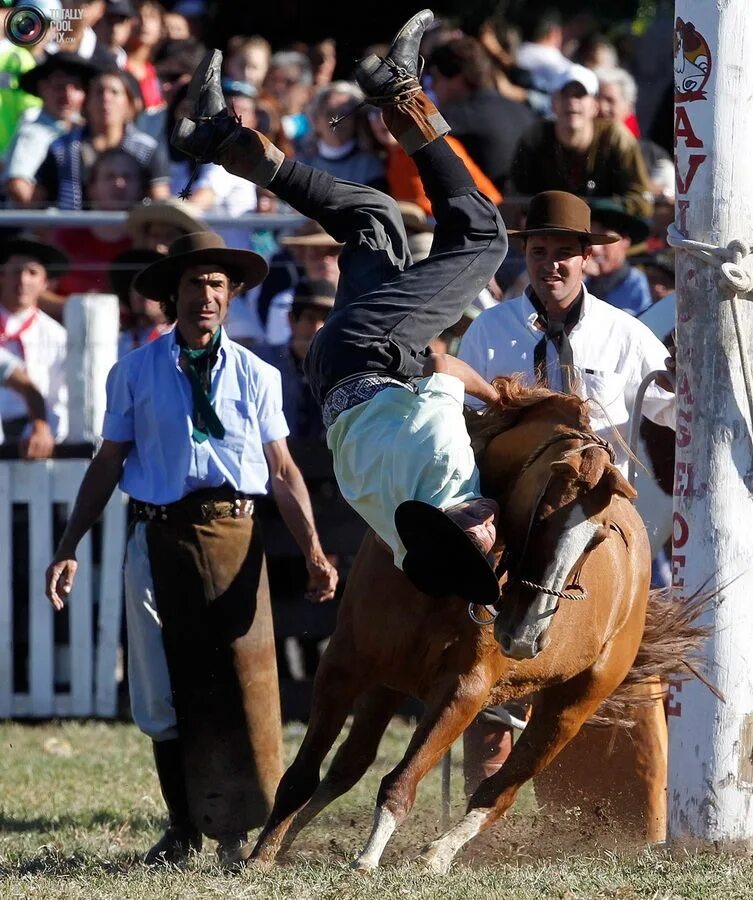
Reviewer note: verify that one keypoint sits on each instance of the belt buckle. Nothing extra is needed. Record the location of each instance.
(206, 511)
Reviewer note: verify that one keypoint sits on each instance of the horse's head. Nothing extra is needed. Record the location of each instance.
(554, 480)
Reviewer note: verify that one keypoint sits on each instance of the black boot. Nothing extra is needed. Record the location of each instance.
(393, 83)
(181, 836)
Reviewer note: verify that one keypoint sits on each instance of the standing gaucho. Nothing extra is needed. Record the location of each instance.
(194, 428)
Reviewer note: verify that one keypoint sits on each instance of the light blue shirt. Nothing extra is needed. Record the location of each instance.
(149, 403)
(401, 446)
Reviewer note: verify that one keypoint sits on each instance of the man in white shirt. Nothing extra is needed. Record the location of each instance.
(39, 444)
(559, 333)
(30, 335)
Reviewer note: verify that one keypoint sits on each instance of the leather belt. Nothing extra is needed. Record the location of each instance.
(354, 390)
(194, 508)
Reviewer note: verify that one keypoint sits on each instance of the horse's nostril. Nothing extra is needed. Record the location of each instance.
(542, 643)
(506, 642)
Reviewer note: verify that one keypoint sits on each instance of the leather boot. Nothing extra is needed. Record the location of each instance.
(393, 82)
(181, 836)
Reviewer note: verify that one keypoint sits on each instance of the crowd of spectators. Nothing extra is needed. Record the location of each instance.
(85, 124)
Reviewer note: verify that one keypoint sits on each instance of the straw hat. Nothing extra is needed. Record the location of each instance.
(557, 212)
(160, 280)
(310, 234)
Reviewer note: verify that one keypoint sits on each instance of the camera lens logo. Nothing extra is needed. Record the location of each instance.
(26, 26)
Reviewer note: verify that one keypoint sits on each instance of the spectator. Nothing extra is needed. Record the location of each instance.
(487, 124)
(61, 82)
(403, 181)
(597, 52)
(154, 226)
(660, 272)
(290, 80)
(142, 320)
(337, 149)
(582, 154)
(114, 29)
(617, 98)
(30, 335)
(176, 61)
(14, 100)
(612, 278)
(111, 106)
(39, 443)
(316, 252)
(323, 58)
(312, 303)
(540, 53)
(82, 38)
(247, 59)
(116, 182)
(146, 36)
(177, 27)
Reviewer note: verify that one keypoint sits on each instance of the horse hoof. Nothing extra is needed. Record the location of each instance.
(363, 865)
(433, 862)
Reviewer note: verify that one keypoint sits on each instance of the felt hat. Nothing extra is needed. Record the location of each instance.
(310, 234)
(71, 63)
(558, 212)
(51, 258)
(159, 281)
(178, 213)
(441, 560)
(319, 293)
(612, 215)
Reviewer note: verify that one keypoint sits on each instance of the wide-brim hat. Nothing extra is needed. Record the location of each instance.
(54, 260)
(415, 219)
(318, 293)
(178, 213)
(160, 280)
(558, 212)
(54, 62)
(441, 560)
(310, 234)
(612, 215)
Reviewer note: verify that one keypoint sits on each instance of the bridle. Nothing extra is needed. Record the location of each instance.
(588, 439)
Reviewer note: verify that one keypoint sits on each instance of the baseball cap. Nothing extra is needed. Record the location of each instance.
(578, 75)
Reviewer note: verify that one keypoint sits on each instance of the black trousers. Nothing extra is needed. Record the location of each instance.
(387, 309)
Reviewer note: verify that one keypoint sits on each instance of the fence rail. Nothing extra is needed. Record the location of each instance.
(76, 677)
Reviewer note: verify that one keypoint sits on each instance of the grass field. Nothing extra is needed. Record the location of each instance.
(79, 804)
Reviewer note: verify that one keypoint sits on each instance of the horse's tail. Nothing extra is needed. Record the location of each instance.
(670, 651)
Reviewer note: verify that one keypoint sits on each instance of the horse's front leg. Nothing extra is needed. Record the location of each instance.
(444, 720)
(558, 715)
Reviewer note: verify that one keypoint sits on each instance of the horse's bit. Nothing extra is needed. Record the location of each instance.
(592, 440)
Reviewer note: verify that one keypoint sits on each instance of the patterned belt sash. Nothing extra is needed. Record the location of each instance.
(354, 390)
(198, 507)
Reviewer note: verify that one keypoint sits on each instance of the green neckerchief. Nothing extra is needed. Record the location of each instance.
(198, 370)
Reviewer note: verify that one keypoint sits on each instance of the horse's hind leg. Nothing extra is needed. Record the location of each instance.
(558, 715)
(371, 716)
(336, 687)
(444, 720)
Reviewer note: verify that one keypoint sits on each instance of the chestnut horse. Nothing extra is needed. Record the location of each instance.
(572, 618)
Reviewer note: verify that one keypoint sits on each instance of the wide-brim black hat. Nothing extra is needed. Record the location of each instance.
(124, 268)
(54, 260)
(558, 212)
(611, 214)
(68, 62)
(441, 559)
(160, 280)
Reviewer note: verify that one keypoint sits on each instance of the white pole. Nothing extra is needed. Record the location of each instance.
(710, 764)
(92, 323)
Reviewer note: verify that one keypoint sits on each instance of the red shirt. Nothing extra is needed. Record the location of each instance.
(150, 88)
(90, 259)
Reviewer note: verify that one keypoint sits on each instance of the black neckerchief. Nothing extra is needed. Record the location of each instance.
(558, 333)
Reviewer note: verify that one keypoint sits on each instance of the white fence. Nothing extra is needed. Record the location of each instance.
(83, 668)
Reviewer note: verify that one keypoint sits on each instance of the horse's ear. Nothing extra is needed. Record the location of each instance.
(617, 482)
(565, 469)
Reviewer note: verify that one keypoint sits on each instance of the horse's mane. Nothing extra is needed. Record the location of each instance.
(515, 398)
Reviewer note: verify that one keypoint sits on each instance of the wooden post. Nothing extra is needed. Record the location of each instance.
(92, 323)
(710, 764)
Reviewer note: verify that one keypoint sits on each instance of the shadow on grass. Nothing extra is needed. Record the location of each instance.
(85, 819)
(49, 862)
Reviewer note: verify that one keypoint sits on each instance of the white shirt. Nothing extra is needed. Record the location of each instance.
(278, 323)
(8, 364)
(404, 446)
(149, 403)
(612, 353)
(546, 64)
(41, 347)
(233, 196)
